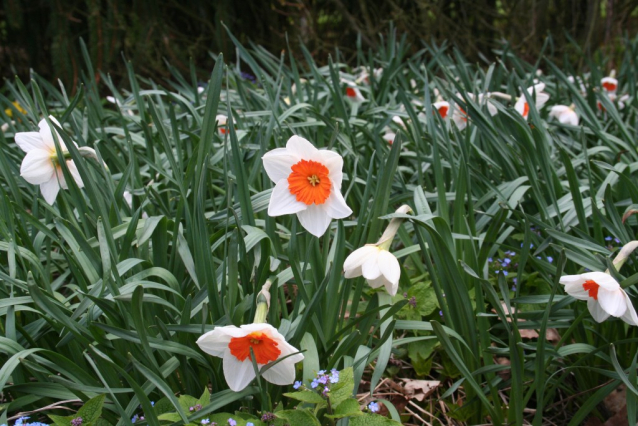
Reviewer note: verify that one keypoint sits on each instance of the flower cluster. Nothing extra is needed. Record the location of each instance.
(21, 422)
(322, 382)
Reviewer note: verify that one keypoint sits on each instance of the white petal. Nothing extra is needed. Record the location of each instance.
(596, 311)
(283, 373)
(389, 266)
(379, 282)
(50, 190)
(334, 163)
(630, 316)
(604, 280)
(75, 173)
(47, 137)
(314, 219)
(30, 140)
(302, 148)
(568, 279)
(282, 201)
(491, 109)
(37, 167)
(370, 269)
(356, 259)
(335, 206)
(278, 163)
(238, 374)
(576, 290)
(215, 342)
(613, 302)
(541, 99)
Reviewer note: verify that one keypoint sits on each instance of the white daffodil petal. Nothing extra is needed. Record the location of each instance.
(604, 280)
(301, 148)
(282, 373)
(30, 140)
(75, 173)
(214, 342)
(596, 311)
(389, 266)
(278, 163)
(630, 316)
(314, 219)
(37, 167)
(577, 291)
(356, 259)
(282, 201)
(379, 282)
(238, 374)
(520, 106)
(568, 279)
(335, 206)
(613, 302)
(334, 163)
(370, 269)
(50, 190)
(46, 135)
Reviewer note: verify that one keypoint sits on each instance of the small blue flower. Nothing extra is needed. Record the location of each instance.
(373, 407)
(505, 273)
(607, 238)
(321, 372)
(152, 403)
(515, 280)
(323, 380)
(205, 421)
(507, 261)
(550, 259)
(489, 259)
(297, 385)
(538, 257)
(314, 384)
(134, 418)
(250, 424)
(20, 420)
(334, 377)
(441, 313)
(232, 422)
(616, 240)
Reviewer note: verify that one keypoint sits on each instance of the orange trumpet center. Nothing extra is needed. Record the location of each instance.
(525, 109)
(610, 87)
(351, 92)
(443, 111)
(592, 288)
(463, 114)
(309, 182)
(264, 347)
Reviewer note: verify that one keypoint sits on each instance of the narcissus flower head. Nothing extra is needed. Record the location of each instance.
(442, 107)
(221, 124)
(41, 165)
(564, 114)
(353, 93)
(307, 183)
(603, 294)
(540, 98)
(377, 265)
(234, 345)
(610, 84)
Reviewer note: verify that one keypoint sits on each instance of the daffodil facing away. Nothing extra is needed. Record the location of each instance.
(307, 183)
(41, 166)
(235, 344)
(609, 84)
(564, 114)
(375, 262)
(540, 98)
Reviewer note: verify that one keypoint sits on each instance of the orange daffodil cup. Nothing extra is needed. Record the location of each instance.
(234, 345)
(604, 295)
(374, 262)
(540, 98)
(307, 183)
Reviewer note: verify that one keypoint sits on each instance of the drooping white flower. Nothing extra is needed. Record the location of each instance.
(233, 345)
(41, 165)
(389, 137)
(603, 294)
(377, 265)
(307, 183)
(564, 114)
(540, 98)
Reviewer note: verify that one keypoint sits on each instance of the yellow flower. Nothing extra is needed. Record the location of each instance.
(16, 104)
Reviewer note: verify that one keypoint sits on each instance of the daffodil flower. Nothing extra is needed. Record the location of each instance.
(564, 114)
(603, 294)
(375, 262)
(41, 165)
(540, 98)
(377, 265)
(353, 93)
(610, 84)
(221, 124)
(307, 183)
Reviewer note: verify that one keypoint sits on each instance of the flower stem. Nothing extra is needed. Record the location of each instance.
(389, 233)
(263, 303)
(623, 255)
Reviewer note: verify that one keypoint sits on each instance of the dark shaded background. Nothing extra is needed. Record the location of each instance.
(43, 35)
